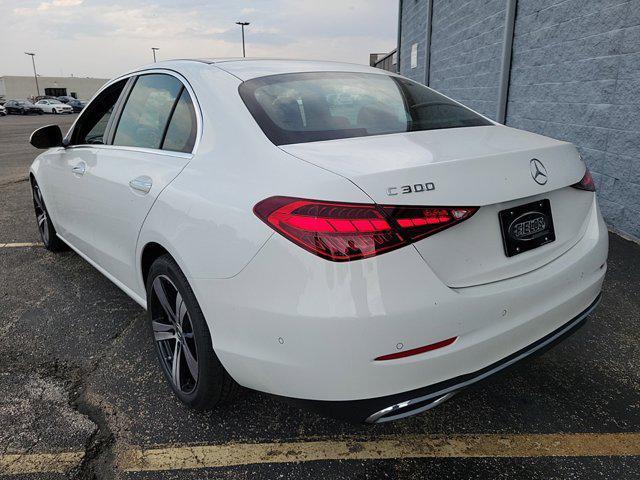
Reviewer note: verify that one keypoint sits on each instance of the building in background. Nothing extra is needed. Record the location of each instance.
(568, 69)
(16, 87)
(385, 61)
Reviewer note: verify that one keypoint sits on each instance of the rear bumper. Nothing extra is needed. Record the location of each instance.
(294, 325)
(406, 404)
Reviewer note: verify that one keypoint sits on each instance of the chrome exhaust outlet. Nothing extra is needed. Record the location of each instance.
(408, 408)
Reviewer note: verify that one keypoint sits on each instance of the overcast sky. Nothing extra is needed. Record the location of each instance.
(101, 38)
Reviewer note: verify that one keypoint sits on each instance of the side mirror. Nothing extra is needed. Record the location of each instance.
(47, 137)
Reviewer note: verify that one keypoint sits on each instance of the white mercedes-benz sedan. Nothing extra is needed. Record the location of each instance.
(336, 235)
(52, 105)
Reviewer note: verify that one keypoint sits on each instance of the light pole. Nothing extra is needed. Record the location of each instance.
(243, 24)
(35, 74)
(153, 49)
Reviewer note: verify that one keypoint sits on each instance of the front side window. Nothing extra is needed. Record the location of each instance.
(145, 115)
(308, 107)
(92, 124)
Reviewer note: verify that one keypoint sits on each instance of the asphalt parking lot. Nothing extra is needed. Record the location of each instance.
(83, 397)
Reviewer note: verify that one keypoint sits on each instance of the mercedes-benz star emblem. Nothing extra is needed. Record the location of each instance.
(538, 171)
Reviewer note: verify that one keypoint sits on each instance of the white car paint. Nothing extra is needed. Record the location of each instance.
(288, 322)
(335, 318)
(54, 106)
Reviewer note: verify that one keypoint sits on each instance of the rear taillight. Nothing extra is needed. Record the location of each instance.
(347, 231)
(418, 222)
(586, 183)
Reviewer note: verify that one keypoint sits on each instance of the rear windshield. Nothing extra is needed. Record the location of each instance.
(309, 107)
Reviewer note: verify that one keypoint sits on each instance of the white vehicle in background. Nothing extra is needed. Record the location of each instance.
(3, 111)
(52, 105)
(368, 255)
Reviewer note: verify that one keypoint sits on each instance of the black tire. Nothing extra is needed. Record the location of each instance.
(189, 335)
(47, 231)
(55, 112)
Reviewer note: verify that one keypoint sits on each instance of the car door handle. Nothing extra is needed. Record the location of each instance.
(79, 169)
(142, 184)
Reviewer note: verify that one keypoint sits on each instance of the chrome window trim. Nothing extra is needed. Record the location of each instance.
(166, 71)
(154, 151)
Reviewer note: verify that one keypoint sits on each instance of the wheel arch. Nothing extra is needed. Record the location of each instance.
(150, 253)
(43, 187)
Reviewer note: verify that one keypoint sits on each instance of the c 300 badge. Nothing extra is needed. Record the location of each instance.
(415, 188)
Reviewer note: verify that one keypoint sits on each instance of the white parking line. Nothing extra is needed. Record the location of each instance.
(21, 245)
(180, 457)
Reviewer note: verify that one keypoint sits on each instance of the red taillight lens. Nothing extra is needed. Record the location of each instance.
(586, 183)
(347, 231)
(419, 222)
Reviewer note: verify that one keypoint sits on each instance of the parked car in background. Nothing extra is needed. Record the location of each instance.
(53, 105)
(65, 98)
(22, 107)
(3, 111)
(76, 104)
(42, 97)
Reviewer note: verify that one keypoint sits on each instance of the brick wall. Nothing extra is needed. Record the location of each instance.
(466, 47)
(575, 76)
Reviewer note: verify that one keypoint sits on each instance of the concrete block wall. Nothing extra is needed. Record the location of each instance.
(575, 76)
(414, 15)
(466, 46)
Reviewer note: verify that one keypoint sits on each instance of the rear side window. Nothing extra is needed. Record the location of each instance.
(147, 111)
(158, 113)
(181, 132)
(308, 107)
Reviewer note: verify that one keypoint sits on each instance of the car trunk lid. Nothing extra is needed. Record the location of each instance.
(491, 167)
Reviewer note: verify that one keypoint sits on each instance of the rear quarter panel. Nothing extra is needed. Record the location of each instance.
(205, 218)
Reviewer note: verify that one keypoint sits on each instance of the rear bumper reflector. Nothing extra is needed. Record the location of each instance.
(419, 350)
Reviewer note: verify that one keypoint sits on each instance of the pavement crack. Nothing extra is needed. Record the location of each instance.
(13, 181)
(98, 460)
(99, 457)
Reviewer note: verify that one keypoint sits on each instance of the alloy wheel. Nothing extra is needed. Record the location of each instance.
(174, 335)
(41, 214)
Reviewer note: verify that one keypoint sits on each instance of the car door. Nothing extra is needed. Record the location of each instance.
(151, 138)
(63, 169)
